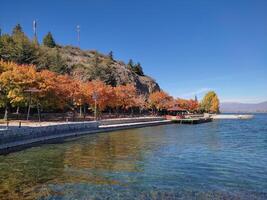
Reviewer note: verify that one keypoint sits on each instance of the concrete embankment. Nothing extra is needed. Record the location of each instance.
(16, 138)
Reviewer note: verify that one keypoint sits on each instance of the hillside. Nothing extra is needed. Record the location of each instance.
(243, 107)
(82, 64)
(89, 65)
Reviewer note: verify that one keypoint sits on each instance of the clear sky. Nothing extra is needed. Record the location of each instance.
(188, 46)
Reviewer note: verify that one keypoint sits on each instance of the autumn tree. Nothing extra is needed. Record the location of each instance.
(193, 105)
(14, 80)
(210, 103)
(3, 89)
(125, 96)
(141, 103)
(48, 86)
(160, 100)
(190, 105)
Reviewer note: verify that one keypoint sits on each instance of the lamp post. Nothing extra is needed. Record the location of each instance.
(95, 99)
(31, 91)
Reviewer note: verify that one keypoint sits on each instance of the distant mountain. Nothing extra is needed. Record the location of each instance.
(243, 107)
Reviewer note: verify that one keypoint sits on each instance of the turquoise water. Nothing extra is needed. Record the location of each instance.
(225, 159)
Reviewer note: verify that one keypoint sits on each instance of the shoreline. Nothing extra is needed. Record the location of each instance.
(15, 138)
(32, 136)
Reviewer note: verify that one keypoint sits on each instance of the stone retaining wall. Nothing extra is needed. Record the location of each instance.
(13, 134)
(15, 138)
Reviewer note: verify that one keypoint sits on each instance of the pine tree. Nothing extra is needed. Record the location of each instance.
(18, 47)
(110, 55)
(17, 29)
(49, 41)
(138, 69)
(130, 63)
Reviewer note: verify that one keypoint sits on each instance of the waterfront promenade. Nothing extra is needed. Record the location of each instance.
(16, 137)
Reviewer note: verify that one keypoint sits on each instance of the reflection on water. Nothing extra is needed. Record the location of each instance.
(223, 159)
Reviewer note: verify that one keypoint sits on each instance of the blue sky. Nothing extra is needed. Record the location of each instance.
(188, 46)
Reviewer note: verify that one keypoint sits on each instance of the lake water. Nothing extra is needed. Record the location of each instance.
(224, 159)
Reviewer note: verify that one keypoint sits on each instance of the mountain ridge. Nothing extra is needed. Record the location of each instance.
(243, 107)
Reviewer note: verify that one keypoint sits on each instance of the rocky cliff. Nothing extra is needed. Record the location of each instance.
(90, 65)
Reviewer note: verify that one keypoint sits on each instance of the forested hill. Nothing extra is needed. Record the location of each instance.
(81, 64)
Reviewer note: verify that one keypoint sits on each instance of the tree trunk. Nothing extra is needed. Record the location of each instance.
(81, 111)
(131, 111)
(17, 112)
(6, 114)
(84, 111)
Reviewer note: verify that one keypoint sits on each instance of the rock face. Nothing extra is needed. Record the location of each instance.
(90, 65)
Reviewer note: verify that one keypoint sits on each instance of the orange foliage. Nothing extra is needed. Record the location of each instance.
(104, 94)
(190, 105)
(160, 100)
(125, 96)
(15, 79)
(59, 91)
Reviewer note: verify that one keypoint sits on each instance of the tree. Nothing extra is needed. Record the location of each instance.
(126, 96)
(130, 64)
(103, 93)
(210, 103)
(49, 41)
(101, 71)
(141, 102)
(22, 50)
(138, 69)
(14, 80)
(110, 55)
(52, 60)
(160, 100)
(17, 30)
(190, 105)
(7, 46)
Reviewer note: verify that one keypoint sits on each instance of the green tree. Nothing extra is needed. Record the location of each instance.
(102, 71)
(7, 46)
(17, 30)
(110, 55)
(49, 41)
(138, 69)
(130, 64)
(210, 103)
(22, 49)
(52, 60)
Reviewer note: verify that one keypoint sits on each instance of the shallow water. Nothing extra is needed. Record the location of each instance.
(225, 159)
